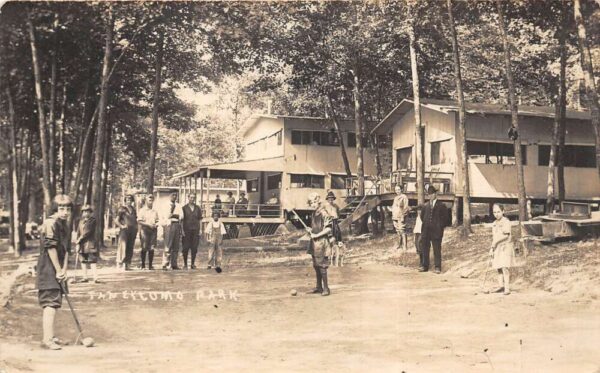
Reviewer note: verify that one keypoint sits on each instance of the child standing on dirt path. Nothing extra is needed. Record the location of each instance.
(55, 244)
(502, 250)
(215, 232)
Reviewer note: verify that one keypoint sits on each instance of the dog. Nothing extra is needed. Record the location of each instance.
(337, 255)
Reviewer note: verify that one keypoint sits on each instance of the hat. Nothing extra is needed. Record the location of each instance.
(86, 207)
(242, 193)
(431, 189)
(330, 195)
(63, 200)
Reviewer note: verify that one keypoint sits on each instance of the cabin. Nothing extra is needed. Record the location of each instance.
(492, 171)
(285, 159)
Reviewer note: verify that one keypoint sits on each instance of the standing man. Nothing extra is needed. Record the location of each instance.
(172, 215)
(86, 232)
(435, 219)
(55, 244)
(148, 220)
(130, 226)
(191, 230)
(399, 211)
(334, 212)
(320, 245)
(229, 203)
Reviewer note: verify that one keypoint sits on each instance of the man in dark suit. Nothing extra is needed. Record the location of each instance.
(435, 219)
(191, 230)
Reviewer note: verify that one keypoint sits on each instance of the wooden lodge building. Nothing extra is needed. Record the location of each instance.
(286, 157)
(492, 171)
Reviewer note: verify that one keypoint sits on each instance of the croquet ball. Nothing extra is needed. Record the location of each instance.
(88, 342)
(294, 292)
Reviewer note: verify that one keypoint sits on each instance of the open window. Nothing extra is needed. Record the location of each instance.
(494, 152)
(440, 152)
(307, 181)
(274, 182)
(252, 185)
(575, 156)
(404, 158)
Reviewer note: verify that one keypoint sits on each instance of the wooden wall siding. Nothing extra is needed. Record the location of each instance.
(266, 148)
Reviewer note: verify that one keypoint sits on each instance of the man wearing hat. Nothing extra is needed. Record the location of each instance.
(191, 230)
(334, 211)
(399, 211)
(435, 219)
(86, 233)
(51, 267)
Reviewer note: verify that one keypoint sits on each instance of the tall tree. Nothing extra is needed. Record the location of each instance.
(155, 105)
(559, 119)
(18, 244)
(43, 128)
(101, 128)
(585, 59)
(514, 133)
(419, 132)
(461, 149)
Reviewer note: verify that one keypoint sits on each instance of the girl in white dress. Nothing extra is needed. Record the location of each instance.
(502, 250)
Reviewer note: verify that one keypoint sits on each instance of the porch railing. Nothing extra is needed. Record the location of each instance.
(251, 210)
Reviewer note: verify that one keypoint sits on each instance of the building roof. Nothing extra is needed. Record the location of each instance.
(446, 106)
(254, 119)
(235, 170)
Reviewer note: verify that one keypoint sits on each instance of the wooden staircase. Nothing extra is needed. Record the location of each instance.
(356, 209)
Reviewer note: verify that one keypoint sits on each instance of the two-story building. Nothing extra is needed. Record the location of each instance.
(492, 171)
(286, 158)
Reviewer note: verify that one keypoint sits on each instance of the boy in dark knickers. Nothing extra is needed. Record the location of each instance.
(55, 244)
(320, 244)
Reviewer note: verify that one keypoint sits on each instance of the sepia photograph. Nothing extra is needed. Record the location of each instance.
(395, 186)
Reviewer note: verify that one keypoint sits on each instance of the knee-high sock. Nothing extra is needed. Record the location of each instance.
(506, 275)
(193, 256)
(324, 278)
(319, 278)
(500, 278)
(48, 322)
(144, 258)
(185, 256)
(150, 257)
(94, 268)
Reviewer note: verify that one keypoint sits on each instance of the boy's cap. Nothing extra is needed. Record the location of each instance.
(431, 189)
(86, 207)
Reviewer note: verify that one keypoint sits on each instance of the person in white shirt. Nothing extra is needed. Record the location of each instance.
(148, 221)
(400, 209)
(215, 231)
(172, 214)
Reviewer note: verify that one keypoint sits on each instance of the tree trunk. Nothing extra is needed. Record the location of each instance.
(514, 116)
(105, 164)
(155, 104)
(461, 153)
(43, 130)
(340, 136)
(101, 130)
(61, 172)
(588, 74)
(419, 141)
(559, 121)
(360, 168)
(17, 244)
(85, 158)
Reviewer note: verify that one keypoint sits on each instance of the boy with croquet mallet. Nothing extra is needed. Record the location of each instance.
(55, 244)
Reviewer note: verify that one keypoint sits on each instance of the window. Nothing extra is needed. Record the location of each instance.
(404, 158)
(327, 138)
(575, 156)
(307, 181)
(274, 182)
(494, 152)
(352, 140)
(440, 152)
(252, 185)
(338, 181)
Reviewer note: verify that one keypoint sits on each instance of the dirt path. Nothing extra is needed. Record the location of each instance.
(379, 318)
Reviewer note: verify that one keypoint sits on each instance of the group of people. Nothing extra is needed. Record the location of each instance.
(230, 207)
(181, 232)
(432, 218)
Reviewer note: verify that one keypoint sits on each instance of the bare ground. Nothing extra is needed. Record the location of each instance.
(381, 316)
